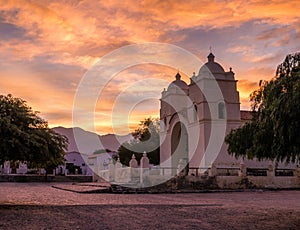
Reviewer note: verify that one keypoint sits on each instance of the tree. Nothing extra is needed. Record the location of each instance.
(25, 136)
(146, 138)
(273, 132)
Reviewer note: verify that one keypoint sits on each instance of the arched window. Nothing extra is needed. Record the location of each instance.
(221, 110)
(195, 110)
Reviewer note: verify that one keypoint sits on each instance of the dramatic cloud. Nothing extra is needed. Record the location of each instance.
(46, 46)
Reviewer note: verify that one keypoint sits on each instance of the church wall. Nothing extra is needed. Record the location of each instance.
(233, 113)
(165, 149)
(195, 94)
(227, 85)
(199, 127)
(197, 143)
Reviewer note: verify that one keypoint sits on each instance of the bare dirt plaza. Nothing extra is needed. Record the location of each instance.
(40, 206)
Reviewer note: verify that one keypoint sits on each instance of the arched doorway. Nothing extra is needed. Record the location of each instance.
(179, 146)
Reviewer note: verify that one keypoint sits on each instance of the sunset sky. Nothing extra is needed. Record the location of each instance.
(46, 47)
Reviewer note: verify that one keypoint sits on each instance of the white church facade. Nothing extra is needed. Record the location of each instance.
(195, 119)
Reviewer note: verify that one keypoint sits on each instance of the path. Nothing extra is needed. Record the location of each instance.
(40, 206)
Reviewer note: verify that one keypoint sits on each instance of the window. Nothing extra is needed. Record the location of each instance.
(195, 112)
(164, 127)
(221, 110)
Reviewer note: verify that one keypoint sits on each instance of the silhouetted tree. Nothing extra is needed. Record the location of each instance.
(146, 138)
(25, 136)
(273, 132)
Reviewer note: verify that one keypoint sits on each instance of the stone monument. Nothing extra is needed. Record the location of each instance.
(6, 168)
(22, 169)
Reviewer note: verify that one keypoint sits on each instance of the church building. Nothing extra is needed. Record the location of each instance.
(196, 117)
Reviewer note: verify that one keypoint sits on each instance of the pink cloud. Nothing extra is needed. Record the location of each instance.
(78, 33)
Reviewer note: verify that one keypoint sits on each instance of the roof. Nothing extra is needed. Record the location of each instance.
(211, 65)
(178, 83)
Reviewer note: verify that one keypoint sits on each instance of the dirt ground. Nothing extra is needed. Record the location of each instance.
(40, 206)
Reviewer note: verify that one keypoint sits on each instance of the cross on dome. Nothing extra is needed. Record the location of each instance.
(211, 57)
(178, 76)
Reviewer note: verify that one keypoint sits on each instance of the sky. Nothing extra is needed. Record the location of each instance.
(47, 47)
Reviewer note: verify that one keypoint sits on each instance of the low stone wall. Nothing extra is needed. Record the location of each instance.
(242, 177)
(231, 182)
(212, 178)
(275, 181)
(42, 178)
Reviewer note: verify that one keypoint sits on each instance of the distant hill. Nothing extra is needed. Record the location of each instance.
(87, 142)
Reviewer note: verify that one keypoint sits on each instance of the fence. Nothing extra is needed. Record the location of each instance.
(226, 176)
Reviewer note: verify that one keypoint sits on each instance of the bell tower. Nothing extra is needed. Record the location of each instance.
(205, 110)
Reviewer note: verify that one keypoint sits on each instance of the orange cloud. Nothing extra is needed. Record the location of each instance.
(40, 95)
(78, 33)
(66, 28)
(246, 86)
(131, 96)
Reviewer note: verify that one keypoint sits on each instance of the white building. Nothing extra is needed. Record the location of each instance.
(195, 119)
(74, 160)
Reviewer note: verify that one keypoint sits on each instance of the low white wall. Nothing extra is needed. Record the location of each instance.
(275, 182)
(242, 181)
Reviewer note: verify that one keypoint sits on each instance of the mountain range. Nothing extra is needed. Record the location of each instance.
(88, 142)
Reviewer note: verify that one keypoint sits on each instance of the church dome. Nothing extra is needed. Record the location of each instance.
(178, 83)
(211, 65)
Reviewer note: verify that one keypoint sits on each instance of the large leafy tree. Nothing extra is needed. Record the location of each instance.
(146, 138)
(25, 136)
(273, 132)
